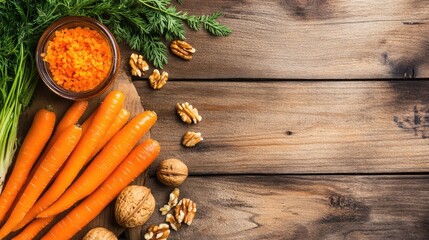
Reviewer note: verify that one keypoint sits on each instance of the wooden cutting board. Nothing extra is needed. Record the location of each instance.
(43, 97)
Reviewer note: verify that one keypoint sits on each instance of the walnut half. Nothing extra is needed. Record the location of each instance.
(182, 49)
(185, 211)
(188, 113)
(191, 139)
(157, 80)
(138, 65)
(160, 232)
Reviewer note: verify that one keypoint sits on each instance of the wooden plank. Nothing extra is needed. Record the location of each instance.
(295, 127)
(44, 97)
(303, 207)
(314, 39)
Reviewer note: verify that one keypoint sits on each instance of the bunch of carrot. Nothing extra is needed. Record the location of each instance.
(44, 181)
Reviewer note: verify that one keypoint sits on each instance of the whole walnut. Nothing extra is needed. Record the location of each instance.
(99, 233)
(134, 206)
(172, 172)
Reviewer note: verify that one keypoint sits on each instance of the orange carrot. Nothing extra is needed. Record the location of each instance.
(87, 122)
(104, 117)
(105, 162)
(119, 122)
(36, 138)
(58, 154)
(71, 117)
(134, 164)
(31, 231)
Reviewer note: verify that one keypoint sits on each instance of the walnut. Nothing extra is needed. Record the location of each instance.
(175, 225)
(138, 65)
(191, 139)
(182, 49)
(185, 211)
(188, 113)
(134, 206)
(174, 197)
(157, 80)
(160, 232)
(172, 172)
(99, 233)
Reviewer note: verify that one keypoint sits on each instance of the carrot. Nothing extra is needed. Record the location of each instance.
(31, 231)
(105, 162)
(119, 122)
(134, 164)
(87, 122)
(36, 138)
(58, 154)
(103, 118)
(71, 117)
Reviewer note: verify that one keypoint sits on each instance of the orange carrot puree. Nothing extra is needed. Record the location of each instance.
(79, 58)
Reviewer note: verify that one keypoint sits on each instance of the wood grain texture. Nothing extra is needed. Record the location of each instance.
(303, 207)
(44, 97)
(310, 39)
(295, 127)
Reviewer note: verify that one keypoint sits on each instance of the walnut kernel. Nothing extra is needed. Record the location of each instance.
(157, 80)
(160, 232)
(188, 113)
(138, 65)
(191, 139)
(134, 206)
(182, 49)
(172, 201)
(175, 225)
(172, 172)
(185, 211)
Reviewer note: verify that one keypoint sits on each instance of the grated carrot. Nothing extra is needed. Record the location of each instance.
(79, 58)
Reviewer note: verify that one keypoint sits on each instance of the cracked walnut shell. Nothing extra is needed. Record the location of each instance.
(185, 211)
(182, 49)
(134, 206)
(191, 139)
(138, 65)
(172, 172)
(188, 113)
(99, 233)
(157, 80)
(160, 232)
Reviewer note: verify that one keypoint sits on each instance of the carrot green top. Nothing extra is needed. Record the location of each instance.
(79, 58)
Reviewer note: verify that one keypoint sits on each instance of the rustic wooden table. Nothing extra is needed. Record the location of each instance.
(288, 158)
(299, 142)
